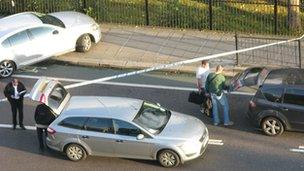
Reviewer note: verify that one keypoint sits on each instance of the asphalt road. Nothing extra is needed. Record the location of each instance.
(244, 148)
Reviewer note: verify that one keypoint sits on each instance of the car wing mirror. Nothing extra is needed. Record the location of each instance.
(140, 137)
(55, 32)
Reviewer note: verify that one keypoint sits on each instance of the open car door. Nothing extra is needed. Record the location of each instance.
(250, 77)
(51, 93)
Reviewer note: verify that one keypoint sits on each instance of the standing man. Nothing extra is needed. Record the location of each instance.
(201, 76)
(14, 92)
(215, 85)
(43, 117)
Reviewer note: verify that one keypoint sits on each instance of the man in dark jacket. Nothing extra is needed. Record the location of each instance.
(14, 92)
(215, 86)
(43, 117)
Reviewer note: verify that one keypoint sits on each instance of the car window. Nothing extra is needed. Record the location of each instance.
(56, 97)
(6, 43)
(103, 125)
(41, 32)
(275, 77)
(74, 122)
(49, 19)
(19, 38)
(294, 96)
(273, 94)
(125, 128)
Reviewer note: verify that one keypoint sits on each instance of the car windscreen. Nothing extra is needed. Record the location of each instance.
(152, 117)
(48, 19)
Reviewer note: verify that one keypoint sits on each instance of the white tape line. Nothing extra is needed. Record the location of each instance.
(11, 126)
(297, 150)
(301, 147)
(126, 84)
(178, 63)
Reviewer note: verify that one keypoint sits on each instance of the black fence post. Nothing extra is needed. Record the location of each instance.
(147, 12)
(84, 5)
(300, 53)
(210, 14)
(236, 48)
(275, 12)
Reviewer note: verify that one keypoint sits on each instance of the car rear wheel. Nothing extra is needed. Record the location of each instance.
(84, 43)
(75, 152)
(168, 158)
(7, 68)
(272, 126)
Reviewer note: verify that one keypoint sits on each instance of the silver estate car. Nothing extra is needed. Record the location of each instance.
(119, 127)
(30, 37)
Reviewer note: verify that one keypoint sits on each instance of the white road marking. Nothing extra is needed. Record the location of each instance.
(33, 128)
(11, 126)
(297, 150)
(126, 84)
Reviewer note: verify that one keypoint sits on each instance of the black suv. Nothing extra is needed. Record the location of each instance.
(278, 104)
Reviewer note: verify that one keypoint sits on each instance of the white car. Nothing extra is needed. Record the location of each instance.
(30, 37)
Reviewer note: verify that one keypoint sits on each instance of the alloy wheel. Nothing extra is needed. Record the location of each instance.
(272, 126)
(87, 42)
(6, 69)
(75, 152)
(168, 158)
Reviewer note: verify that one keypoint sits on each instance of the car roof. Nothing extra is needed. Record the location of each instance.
(17, 22)
(103, 106)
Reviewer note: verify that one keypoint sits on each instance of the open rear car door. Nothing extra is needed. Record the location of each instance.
(254, 76)
(51, 93)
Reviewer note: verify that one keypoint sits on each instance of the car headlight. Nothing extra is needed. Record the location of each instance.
(95, 26)
(190, 147)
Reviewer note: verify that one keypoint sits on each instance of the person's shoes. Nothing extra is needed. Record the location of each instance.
(22, 127)
(215, 124)
(14, 127)
(229, 123)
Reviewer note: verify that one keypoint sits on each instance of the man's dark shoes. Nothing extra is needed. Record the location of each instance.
(14, 127)
(22, 127)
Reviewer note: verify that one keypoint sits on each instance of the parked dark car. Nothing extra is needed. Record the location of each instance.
(278, 104)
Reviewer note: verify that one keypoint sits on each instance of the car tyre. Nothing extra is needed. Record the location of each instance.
(75, 152)
(168, 159)
(84, 43)
(7, 68)
(272, 126)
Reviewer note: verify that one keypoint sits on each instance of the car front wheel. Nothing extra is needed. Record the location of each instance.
(75, 152)
(7, 68)
(272, 126)
(84, 43)
(168, 158)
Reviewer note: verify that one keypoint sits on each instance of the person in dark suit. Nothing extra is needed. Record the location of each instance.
(14, 92)
(44, 116)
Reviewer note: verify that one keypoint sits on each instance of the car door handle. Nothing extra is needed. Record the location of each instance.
(119, 141)
(85, 137)
(285, 109)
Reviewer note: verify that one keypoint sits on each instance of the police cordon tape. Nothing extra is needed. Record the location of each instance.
(208, 57)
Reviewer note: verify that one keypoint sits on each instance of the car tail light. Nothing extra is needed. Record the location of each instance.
(252, 104)
(42, 98)
(51, 131)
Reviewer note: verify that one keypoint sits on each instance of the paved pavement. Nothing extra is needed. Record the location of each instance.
(244, 147)
(142, 47)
